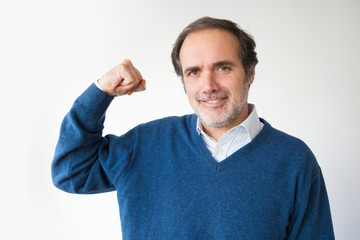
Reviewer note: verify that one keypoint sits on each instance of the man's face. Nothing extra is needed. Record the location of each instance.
(214, 78)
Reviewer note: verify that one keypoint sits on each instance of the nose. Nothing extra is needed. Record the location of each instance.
(209, 82)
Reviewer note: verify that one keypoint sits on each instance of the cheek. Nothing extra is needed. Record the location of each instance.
(234, 84)
(190, 89)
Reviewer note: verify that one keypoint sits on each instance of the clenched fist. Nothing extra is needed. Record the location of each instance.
(122, 79)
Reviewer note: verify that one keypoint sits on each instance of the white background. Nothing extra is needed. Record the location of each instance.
(307, 84)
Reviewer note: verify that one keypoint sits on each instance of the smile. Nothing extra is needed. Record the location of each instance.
(214, 101)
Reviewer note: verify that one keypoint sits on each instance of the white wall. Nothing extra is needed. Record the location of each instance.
(307, 84)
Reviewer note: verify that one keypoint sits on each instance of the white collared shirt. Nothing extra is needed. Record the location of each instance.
(235, 138)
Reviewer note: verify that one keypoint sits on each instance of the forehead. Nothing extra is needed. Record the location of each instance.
(209, 45)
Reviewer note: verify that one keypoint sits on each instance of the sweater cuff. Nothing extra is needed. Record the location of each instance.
(98, 85)
(93, 103)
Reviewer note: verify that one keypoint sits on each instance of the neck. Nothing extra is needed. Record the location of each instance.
(217, 133)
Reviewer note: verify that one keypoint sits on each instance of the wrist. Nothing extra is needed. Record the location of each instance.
(98, 85)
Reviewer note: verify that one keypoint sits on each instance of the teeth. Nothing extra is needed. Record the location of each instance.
(213, 101)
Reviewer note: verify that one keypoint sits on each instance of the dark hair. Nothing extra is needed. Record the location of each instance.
(247, 44)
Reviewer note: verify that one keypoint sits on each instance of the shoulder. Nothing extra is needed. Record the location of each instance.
(172, 126)
(290, 148)
(169, 123)
(161, 133)
(158, 132)
(285, 140)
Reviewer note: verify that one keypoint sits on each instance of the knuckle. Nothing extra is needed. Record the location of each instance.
(126, 65)
(126, 62)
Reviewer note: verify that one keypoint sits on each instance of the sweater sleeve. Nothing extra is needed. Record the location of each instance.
(311, 217)
(79, 164)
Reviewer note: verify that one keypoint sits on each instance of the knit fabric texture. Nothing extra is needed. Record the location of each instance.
(170, 187)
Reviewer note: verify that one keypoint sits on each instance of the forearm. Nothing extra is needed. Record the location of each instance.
(76, 164)
(82, 154)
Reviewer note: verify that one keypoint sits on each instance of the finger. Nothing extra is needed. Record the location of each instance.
(132, 77)
(139, 88)
(127, 84)
(138, 73)
(118, 93)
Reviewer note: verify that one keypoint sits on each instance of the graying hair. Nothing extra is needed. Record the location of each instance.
(247, 44)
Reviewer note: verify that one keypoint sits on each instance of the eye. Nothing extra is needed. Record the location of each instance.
(224, 69)
(193, 73)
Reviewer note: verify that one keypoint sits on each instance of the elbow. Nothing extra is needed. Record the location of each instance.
(61, 177)
(62, 182)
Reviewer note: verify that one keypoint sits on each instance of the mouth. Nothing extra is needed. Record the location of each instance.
(213, 103)
(213, 100)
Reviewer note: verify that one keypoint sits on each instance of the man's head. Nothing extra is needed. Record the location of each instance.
(211, 61)
(246, 49)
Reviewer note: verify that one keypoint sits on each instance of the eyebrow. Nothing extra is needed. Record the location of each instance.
(225, 62)
(190, 69)
(216, 64)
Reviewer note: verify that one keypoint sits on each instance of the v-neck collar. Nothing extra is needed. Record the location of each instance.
(208, 159)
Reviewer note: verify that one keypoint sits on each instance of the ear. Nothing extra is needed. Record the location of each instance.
(252, 76)
(183, 83)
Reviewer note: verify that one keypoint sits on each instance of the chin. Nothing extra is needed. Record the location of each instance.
(216, 121)
(222, 118)
(218, 125)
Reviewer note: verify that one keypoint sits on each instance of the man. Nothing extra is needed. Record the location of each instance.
(222, 173)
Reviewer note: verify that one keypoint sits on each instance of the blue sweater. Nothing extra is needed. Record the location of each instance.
(170, 187)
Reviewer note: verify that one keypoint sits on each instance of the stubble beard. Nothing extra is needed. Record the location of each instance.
(217, 118)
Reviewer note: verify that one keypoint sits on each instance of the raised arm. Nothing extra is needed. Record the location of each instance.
(82, 154)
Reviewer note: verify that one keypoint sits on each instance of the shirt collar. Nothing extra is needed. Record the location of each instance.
(251, 124)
